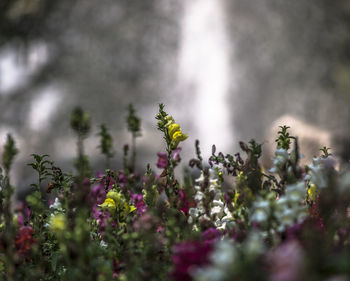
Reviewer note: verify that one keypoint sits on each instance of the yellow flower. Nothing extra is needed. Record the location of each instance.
(312, 191)
(116, 196)
(170, 120)
(176, 135)
(15, 219)
(109, 205)
(58, 223)
(172, 128)
(115, 202)
(132, 208)
(235, 199)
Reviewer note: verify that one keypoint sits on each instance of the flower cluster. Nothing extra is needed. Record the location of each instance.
(24, 240)
(115, 202)
(211, 205)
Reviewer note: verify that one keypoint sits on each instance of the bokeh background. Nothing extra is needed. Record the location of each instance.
(227, 70)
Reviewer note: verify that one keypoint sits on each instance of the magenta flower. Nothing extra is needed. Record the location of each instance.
(184, 203)
(187, 256)
(162, 160)
(97, 194)
(137, 200)
(211, 235)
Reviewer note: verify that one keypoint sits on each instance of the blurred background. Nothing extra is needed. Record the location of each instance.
(227, 70)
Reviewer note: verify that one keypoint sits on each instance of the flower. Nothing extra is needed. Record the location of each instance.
(58, 223)
(311, 192)
(286, 262)
(109, 205)
(56, 205)
(222, 259)
(137, 200)
(175, 154)
(211, 235)
(162, 160)
(187, 256)
(175, 134)
(24, 240)
(115, 201)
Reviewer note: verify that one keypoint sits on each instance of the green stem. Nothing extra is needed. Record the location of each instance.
(133, 153)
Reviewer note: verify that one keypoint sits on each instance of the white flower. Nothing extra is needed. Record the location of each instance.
(287, 217)
(217, 210)
(56, 205)
(218, 203)
(207, 274)
(281, 203)
(193, 212)
(103, 244)
(199, 196)
(259, 216)
(224, 254)
(296, 193)
(263, 204)
(254, 244)
(261, 211)
(281, 157)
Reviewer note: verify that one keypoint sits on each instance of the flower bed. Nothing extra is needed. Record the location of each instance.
(288, 223)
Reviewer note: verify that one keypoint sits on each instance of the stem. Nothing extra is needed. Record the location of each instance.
(9, 233)
(170, 171)
(133, 152)
(108, 163)
(80, 148)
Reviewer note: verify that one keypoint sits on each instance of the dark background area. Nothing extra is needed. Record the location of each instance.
(285, 57)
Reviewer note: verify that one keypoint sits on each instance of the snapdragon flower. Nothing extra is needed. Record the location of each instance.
(280, 159)
(176, 135)
(315, 174)
(219, 214)
(115, 202)
(58, 223)
(287, 210)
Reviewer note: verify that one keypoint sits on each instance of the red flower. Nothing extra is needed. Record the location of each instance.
(24, 240)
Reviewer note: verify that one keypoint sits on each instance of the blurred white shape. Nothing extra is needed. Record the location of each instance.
(16, 68)
(204, 67)
(42, 108)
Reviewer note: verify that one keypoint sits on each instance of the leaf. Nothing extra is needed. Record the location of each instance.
(37, 157)
(33, 165)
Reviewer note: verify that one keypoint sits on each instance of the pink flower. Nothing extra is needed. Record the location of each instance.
(286, 262)
(175, 154)
(137, 200)
(162, 160)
